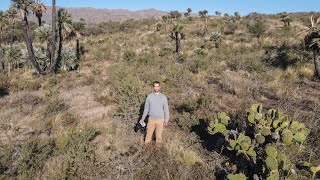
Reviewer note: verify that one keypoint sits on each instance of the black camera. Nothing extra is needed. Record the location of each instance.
(139, 127)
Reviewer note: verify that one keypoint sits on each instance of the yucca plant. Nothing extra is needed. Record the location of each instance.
(43, 34)
(177, 34)
(78, 28)
(216, 38)
(12, 57)
(286, 19)
(68, 59)
(312, 41)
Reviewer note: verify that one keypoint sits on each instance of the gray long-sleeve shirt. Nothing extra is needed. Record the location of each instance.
(156, 105)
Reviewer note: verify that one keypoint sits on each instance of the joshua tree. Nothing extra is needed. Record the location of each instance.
(188, 13)
(174, 15)
(78, 27)
(237, 16)
(203, 15)
(216, 38)
(23, 6)
(312, 41)
(286, 19)
(64, 27)
(159, 25)
(43, 34)
(165, 19)
(257, 28)
(13, 57)
(218, 13)
(177, 35)
(12, 14)
(3, 17)
(38, 9)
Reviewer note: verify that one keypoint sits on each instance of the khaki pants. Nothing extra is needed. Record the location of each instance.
(154, 124)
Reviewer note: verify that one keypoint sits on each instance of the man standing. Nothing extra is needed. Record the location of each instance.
(156, 106)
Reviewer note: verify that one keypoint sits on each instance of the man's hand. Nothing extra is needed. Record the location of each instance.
(142, 122)
(165, 123)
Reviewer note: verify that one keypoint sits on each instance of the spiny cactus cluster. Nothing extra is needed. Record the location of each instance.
(276, 124)
(218, 125)
(260, 141)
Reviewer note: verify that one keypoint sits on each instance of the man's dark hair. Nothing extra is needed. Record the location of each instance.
(156, 82)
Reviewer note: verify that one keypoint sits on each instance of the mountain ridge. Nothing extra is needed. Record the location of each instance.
(97, 15)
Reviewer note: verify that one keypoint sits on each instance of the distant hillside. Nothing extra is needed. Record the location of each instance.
(94, 15)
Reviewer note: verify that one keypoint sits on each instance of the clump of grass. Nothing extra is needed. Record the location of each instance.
(305, 72)
(53, 103)
(190, 158)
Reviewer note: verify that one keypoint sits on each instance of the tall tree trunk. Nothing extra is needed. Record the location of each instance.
(317, 62)
(48, 52)
(9, 72)
(57, 62)
(29, 44)
(78, 48)
(54, 36)
(1, 51)
(178, 42)
(1, 60)
(39, 20)
(1, 35)
(12, 34)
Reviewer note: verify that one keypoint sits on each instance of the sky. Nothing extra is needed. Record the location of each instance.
(224, 6)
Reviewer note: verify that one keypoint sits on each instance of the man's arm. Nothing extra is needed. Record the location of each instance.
(166, 110)
(146, 109)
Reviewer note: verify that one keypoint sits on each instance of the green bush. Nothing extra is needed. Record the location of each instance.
(24, 160)
(78, 151)
(128, 92)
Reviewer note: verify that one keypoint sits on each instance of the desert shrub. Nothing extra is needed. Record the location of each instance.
(24, 160)
(230, 28)
(165, 52)
(198, 65)
(128, 92)
(24, 85)
(201, 52)
(129, 55)
(147, 58)
(285, 55)
(53, 103)
(78, 151)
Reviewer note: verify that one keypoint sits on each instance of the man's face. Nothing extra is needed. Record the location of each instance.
(156, 87)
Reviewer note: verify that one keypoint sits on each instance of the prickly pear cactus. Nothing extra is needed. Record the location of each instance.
(218, 125)
(239, 176)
